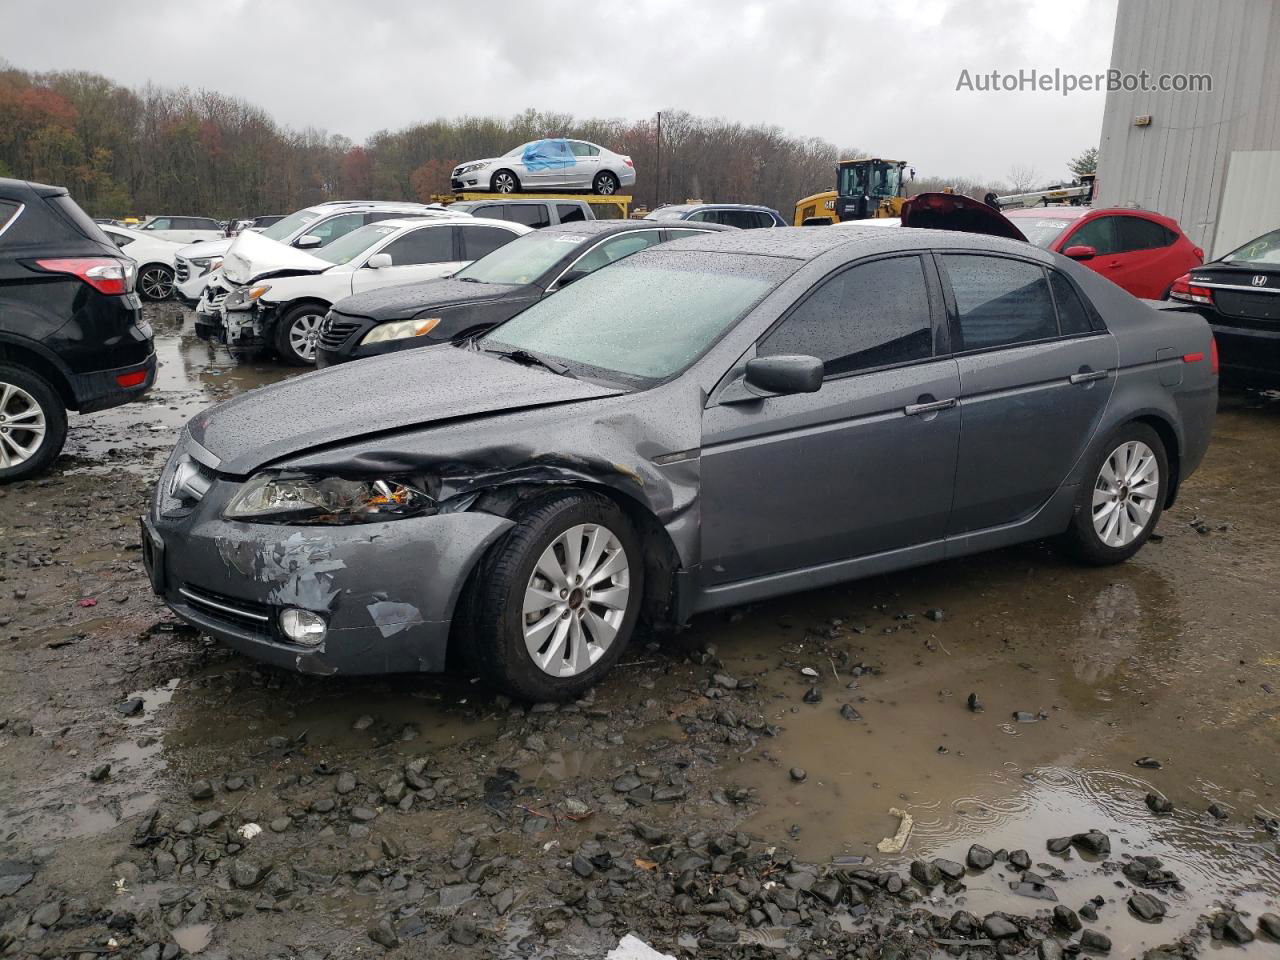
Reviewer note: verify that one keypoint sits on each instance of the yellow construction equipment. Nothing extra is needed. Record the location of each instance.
(865, 188)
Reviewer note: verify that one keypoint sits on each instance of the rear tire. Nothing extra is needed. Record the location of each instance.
(1121, 500)
(605, 184)
(34, 424)
(540, 625)
(504, 181)
(155, 282)
(298, 333)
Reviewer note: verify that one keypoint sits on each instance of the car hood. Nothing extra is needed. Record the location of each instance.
(205, 248)
(486, 160)
(954, 211)
(251, 255)
(373, 398)
(408, 300)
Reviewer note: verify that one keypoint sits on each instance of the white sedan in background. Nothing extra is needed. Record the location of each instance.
(283, 309)
(184, 229)
(551, 164)
(156, 260)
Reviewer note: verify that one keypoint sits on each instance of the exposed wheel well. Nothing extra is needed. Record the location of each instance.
(42, 367)
(154, 263)
(1164, 430)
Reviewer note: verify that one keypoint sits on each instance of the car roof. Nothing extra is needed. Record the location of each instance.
(716, 206)
(595, 228)
(434, 221)
(808, 243)
(1052, 213)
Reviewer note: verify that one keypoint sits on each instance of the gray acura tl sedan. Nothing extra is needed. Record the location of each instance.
(709, 422)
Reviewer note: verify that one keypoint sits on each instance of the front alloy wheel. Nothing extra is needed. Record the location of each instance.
(1125, 492)
(576, 600)
(504, 181)
(298, 335)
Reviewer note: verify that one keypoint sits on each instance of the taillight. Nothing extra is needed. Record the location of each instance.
(1184, 289)
(627, 161)
(105, 274)
(131, 379)
(1213, 354)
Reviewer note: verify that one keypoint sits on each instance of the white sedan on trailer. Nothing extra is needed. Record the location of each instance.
(156, 260)
(282, 309)
(551, 164)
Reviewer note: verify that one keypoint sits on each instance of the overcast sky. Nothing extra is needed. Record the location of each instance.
(880, 76)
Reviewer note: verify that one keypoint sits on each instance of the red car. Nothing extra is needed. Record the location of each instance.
(1141, 251)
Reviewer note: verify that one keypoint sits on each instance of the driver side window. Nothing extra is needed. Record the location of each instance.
(1099, 234)
(428, 245)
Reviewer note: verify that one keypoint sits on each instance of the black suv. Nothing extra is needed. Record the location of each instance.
(71, 329)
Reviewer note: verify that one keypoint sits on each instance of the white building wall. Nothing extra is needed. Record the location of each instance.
(1178, 165)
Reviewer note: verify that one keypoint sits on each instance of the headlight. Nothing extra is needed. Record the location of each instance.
(243, 298)
(400, 330)
(206, 263)
(269, 498)
(468, 167)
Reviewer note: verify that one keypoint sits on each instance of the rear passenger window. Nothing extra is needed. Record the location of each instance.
(1072, 316)
(1137, 233)
(8, 211)
(428, 245)
(704, 216)
(493, 212)
(872, 315)
(533, 215)
(999, 302)
(478, 241)
(570, 212)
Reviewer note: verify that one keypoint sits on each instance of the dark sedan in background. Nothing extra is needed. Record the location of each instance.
(487, 292)
(709, 423)
(1239, 294)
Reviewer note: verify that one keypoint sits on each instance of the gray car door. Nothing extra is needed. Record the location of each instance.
(1035, 377)
(864, 465)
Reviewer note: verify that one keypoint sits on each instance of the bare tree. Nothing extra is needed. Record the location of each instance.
(1022, 179)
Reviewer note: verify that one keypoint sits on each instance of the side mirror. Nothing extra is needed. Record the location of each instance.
(785, 374)
(378, 261)
(573, 276)
(308, 242)
(1079, 251)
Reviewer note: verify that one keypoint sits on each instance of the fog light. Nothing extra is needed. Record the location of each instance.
(303, 626)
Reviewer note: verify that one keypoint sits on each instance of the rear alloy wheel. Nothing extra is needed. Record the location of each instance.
(298, 334)
(33, 424)
(155, 282)
(1116, 513)
(553, 604)
(606, 184)
(504, 181)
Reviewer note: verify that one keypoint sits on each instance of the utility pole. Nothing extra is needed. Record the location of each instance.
(657, 180)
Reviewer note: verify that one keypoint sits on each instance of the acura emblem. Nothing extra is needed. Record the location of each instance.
(1259, 280)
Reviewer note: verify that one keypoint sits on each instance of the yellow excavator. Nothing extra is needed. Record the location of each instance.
(865, 188)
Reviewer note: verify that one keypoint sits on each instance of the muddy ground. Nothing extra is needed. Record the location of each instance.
(722, 794)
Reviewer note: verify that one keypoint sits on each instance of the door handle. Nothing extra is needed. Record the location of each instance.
(915, 409)
(1088, 375)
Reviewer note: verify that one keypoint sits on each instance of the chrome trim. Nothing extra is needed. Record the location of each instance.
(1088, 375)
(915, 409)
(1233, 286)
(213, 604)
(12, 220)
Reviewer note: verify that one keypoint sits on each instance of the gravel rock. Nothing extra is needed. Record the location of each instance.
(979, 857)
(813, 695)
(130, 708)
(346, 783)
(1059, 844)
(383, 934)
(47, 914)
(1160, 806)
(1093, 842)
(1269, 923)
(849, 713)
(201, 790)
(1095, 942)
(1049, 949)
(100, 772)
(1020, 860)
(799, 775)
(247, 873)
(998, 928)
(926, 874)
(1066, 919)
(1235, 930)
(1146, 907)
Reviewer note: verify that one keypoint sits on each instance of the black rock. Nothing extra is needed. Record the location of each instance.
(463, 932)
(100, 772)
(1089, 912)
(383, 934)
(1269, 923)
(813, 695)
(1217, 812)
(650, 834)
(722, 931)
(979, 857)
(1160, 806)
(974, 704)
(1234, 929)
(847, 711)
(1096, 942)
(1035, 889)
(582, 866)
(949, 869)
(247, 873)
(798, 774)
(826, 890)
(1147, 763)
(1020, 860)
(1066, 919)
(998, 928)
(1049, 949)
(1093, 841)
(935, 615)
(1059, 844)
(201, 790)
(130, 708)
(1146, 907)
(926, 874)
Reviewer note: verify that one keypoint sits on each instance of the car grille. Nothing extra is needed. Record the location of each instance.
(456, 183)
(335, 331)
(1255, 306)
(243, 612)
(182, 270)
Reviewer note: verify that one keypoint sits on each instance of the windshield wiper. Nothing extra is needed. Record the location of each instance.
(529, 359)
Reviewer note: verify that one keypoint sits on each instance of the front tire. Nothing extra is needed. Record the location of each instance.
(504, 181)
(155, 282)
(1120, 505)
(605, 184)
(555, 601)
(33, 423)
(298, 334)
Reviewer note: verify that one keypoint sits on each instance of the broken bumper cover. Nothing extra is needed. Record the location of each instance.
(387, 591)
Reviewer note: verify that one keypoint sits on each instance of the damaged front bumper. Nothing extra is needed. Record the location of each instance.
(387, 591)
(248, 332)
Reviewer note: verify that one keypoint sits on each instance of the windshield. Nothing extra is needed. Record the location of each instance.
(283, 229)
(518, 150)
(349, 246)
(646, 318)
(873, 178)
(523, 260)
(1265, 249)
(668, 213)
(1041, 231)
